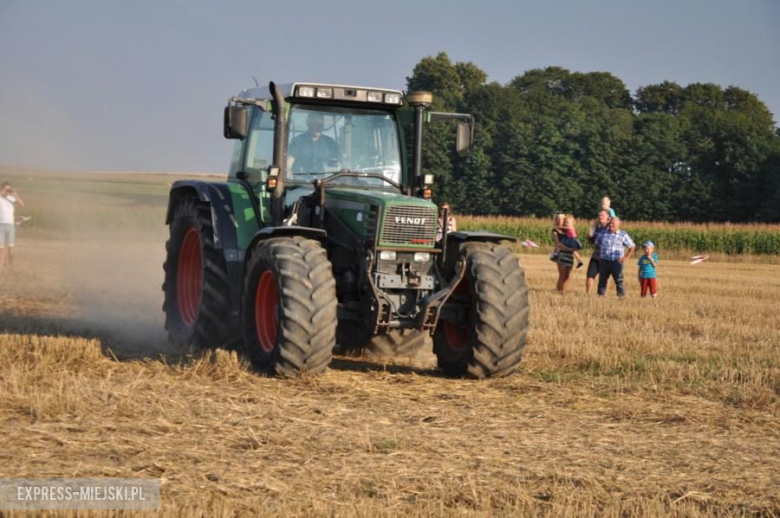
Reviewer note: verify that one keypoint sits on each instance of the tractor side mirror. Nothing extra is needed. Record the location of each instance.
(463, 138)
(236, 122)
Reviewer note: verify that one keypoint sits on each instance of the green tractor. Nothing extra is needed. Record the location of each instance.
(324, 232)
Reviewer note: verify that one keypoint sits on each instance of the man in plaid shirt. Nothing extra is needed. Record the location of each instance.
(610, 246)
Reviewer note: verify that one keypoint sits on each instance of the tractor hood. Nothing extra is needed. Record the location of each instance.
(402, 221)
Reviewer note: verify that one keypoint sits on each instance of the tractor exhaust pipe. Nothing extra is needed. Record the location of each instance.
(420, 101)
(280, 154)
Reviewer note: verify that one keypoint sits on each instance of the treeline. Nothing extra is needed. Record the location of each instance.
(554, 140)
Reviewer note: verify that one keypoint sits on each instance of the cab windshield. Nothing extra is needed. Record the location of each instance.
(324, 140)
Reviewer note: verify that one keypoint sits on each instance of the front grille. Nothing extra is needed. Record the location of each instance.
(411, 225)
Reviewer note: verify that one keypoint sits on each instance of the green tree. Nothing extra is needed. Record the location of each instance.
(729, 135)
(661, 168)
(553, 140)
(666, 97)
(458, 181)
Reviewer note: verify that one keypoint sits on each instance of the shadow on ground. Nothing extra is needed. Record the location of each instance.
(126, 342)
(388, 365)
(136, 342)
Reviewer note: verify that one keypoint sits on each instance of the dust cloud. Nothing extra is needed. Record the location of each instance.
(92, 266)
(117, 294)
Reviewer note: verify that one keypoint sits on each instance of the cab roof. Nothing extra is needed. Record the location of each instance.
(291, 89)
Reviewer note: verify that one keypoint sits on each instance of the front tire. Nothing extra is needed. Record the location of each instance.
(289, 307)
(488, 338)
(197, 294)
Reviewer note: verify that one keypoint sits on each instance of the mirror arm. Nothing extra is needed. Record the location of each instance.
(461, 118)
(441, 116)
(438, 116)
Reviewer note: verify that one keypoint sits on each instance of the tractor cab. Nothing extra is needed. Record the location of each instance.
(326, 130)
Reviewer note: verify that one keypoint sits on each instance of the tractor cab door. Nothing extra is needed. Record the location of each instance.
(254, 154)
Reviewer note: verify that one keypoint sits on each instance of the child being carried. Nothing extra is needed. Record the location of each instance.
(570, 239)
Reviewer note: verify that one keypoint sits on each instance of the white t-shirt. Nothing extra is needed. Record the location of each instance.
(7, 209)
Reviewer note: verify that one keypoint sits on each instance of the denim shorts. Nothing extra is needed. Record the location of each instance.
(7, 234)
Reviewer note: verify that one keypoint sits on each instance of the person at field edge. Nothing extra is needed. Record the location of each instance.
(571, 240)
(8, 199)
(565, 256)
(606, 205)
(598, 227)
(312, 152)
(648, 278)
(452, 225)
(611, 256)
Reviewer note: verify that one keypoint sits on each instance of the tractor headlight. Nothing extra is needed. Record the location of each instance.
(393, 98)
(305, 91)
(420, 257)
(325, 93)
(387, 255)
(374, 97)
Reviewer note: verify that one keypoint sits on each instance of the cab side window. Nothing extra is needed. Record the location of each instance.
(235, 158)
(260, 147)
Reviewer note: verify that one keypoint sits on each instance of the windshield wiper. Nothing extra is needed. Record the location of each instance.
(357, 174)
(307, 174)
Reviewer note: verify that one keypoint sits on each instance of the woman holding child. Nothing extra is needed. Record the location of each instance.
(566, 245)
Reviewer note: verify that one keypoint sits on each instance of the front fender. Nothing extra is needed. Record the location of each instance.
(269, 232)
(479, 235)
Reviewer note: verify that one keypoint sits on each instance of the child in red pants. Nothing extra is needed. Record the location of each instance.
(648, 278)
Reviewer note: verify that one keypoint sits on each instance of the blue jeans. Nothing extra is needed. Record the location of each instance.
(615, 269)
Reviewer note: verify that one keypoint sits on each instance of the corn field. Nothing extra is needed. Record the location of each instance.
(730, 239)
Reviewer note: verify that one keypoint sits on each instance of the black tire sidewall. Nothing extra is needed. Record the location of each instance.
(306, 306)
(452, 361)
(502, 351)
(261, 262)
(184, 219)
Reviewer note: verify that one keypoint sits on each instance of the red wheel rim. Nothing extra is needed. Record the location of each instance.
(458, 335)
(266, 321)
(189, 277)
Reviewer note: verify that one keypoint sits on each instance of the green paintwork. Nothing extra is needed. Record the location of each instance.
(244, 212)
(351, 206)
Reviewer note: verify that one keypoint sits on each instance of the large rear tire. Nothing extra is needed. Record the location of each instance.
(197, 294)
(488, 339)
(289, 307)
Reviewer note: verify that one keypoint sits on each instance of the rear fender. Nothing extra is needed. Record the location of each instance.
(217, 195)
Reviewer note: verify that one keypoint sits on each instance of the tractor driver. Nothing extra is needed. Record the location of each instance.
(312, 151)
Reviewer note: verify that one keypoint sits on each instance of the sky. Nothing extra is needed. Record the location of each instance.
(141, 85)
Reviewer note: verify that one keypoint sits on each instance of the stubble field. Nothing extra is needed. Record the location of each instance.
(622, 407)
